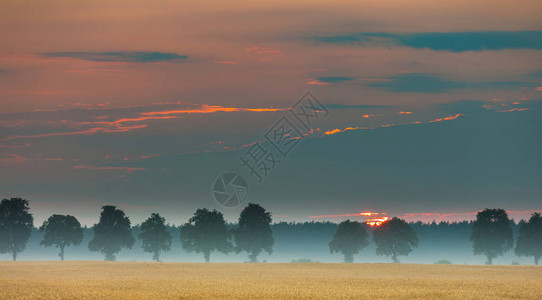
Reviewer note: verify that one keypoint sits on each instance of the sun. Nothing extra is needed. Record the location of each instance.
(376, 221)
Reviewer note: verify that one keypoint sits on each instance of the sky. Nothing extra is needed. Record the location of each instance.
(427, 110)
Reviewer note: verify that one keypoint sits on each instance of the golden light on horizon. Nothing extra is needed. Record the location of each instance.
(376, 221)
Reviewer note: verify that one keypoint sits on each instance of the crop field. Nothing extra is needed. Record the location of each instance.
(133, 280)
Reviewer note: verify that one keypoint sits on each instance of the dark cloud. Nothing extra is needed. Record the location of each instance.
(428, 83)
(444, 41)
(536, 74)
(128, 56)
(336, 79)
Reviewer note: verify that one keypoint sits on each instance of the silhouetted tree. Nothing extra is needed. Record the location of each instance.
(61, 231)
(15, 225)
(155, 236)
(206, 232)
(530, 238)
(349, 239)
(112, 233)
(254, 233)
(395, 237)
(491, 234)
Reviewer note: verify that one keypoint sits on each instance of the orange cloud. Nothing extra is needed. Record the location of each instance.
(538, 88)
(262, 109)
(317, 82)
(367, 116)
(117, 125)
(405, 112)
(207, 109)
(513, 109)
(120, 121)
(447, 118)
(329, 132)
(374, 220)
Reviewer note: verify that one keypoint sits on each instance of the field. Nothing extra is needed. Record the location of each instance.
(131, 280)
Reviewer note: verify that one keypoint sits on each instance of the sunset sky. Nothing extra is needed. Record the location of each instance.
(434, 106)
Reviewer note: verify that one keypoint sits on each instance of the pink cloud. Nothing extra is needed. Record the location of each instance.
(262, 50)
(14, 146)
(12, 158)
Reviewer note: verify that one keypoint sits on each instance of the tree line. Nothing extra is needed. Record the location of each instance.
(207, 231)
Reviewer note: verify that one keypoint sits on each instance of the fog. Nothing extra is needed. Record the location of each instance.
(294, 241)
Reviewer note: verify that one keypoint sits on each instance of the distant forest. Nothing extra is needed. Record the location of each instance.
(295, 241)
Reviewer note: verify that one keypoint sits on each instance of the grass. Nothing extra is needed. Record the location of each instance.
(131, 280)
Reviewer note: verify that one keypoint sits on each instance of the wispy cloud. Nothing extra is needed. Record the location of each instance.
(334, 131)
(443, 41)
(127, 169)
(89, 131)
(12, 158)
(513, 109)
(262, 50)
(316, 82)
(126, 56)
(446, 118)
(206, 109)
(14, 145)
(127, 118)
